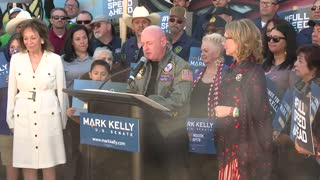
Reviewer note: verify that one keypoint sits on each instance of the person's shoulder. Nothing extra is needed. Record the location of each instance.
(307, 30)
(55, 58)
(129, 41)
(20, 57)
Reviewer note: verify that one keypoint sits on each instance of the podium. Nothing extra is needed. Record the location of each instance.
(118, 164)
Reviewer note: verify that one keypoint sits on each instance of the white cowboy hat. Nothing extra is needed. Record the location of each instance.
(13, 23)
(141, 12)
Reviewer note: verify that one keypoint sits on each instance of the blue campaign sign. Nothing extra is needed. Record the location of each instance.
(284, 111)
(195, 61)
(275, 94)
(298, 18)
(163, 24)
(300, 122)
(110, 131)
(4, 71)
(201, 135)
(78, 84)
(114, 8)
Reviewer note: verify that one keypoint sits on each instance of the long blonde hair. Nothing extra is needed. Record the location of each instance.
(248, 38)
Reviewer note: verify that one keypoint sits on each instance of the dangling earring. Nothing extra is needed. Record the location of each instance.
(42, 41)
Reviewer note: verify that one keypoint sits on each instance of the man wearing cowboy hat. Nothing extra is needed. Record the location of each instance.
(13, 26)
(139, 20)
(181, 42)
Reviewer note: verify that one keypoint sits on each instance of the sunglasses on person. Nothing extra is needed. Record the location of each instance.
(172, 20)
(83, 22)
(275, 39)
(313, 8)
(59, 17)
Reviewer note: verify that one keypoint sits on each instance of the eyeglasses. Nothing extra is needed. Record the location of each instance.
(267, 3)
(172, 20)
(275, 39)
(84, 21)
(59, 17)
(313, 8)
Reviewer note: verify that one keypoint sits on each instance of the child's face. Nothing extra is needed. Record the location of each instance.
(98, 73)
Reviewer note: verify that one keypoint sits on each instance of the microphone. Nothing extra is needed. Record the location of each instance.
(115, 74)
(136, 69)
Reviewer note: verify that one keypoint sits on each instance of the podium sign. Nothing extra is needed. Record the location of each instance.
(110, 131)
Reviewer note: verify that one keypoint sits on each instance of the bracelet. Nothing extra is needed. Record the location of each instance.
(235, 112)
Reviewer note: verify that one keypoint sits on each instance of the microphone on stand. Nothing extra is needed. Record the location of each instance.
(115, 74)
(136, 69)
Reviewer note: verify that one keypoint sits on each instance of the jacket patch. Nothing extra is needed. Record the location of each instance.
(140, 74)
(166, 77)
(186, 75)
(169, 67)
(177, 50)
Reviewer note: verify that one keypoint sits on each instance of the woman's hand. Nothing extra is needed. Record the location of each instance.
(222, 111)
(70, 112)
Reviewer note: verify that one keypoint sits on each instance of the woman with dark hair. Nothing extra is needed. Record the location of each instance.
(77, 57)
(77, 61)
(6, 136)
(280, 52)
(244, 132)
(307, 68)
(36, 111)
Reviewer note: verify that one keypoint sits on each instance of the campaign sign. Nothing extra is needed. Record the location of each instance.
(195, 61)
(114, 8)
(284, 111)
(4, 71)
(298, 18)
(275, 95)
(81, 106)
(315, 100)
(300, 123)
(201, 135)
(110, 131)
(163, 24)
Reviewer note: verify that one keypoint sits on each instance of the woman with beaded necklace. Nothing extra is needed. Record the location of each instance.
(205, 95)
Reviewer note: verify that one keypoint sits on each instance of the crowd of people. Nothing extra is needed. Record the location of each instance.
(240, 56)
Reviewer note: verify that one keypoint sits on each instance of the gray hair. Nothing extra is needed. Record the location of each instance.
(217, 40)
(100, 50)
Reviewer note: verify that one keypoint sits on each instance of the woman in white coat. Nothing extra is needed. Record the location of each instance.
(36, 110)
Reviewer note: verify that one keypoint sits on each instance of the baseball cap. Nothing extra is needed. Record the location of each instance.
(178, 11)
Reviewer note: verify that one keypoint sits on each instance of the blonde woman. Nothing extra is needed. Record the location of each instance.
(245, 131)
